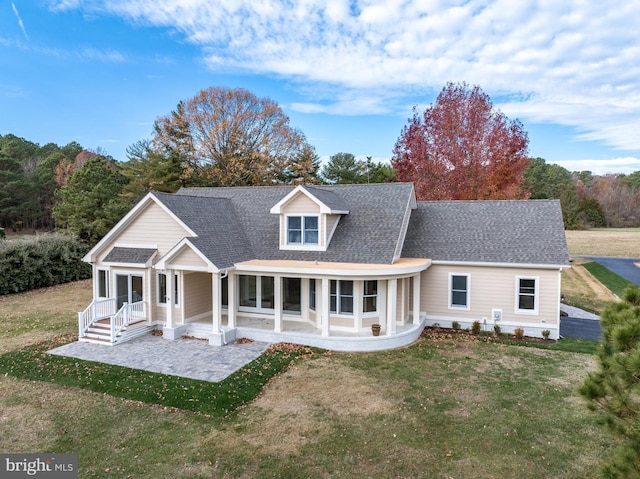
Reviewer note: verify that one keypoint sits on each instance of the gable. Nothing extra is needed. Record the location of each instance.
(149, 226)
(187, 257)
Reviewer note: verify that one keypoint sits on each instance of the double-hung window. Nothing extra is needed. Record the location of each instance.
(459, 291)
(302, 230)
(527, 295)
(370, 297)
(341, 297)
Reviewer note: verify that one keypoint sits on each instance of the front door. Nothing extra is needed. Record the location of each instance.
(129, 289)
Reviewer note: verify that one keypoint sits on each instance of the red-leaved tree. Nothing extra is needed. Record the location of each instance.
(462, 149)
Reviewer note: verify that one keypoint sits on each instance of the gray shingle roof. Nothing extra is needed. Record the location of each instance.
(517, 232)
(220, 237)
(130, 255)
(368, 234)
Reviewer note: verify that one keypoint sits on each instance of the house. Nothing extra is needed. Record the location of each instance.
(319, 265)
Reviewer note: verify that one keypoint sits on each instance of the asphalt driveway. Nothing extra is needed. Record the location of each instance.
(580, 328)
(624, 267)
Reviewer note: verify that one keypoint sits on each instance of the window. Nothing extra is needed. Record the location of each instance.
(224, 291)
(341, 297)
(162, 288)
(302, 230)
(291, 295)
(256, 292)
(312, 294)
(527, 295)
(103, 283)
(370, 297)
(459, 291)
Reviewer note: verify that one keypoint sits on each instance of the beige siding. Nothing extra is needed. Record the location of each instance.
(152, 225)
(197, 292)
(490, 287)
(301, 205)
(187, 257)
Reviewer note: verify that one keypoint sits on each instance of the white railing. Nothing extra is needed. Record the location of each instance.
(128, 313)
(97, 310)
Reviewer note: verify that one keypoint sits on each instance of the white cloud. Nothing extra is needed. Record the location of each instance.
(20, 22)
(573, 62)
(624, 165)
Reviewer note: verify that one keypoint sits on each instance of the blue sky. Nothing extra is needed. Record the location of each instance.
(346, 72)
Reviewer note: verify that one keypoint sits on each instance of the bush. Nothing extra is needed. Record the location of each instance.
(455, 325)
(546, 333)
(518, 333)
(497, 329)
(41, 261)
(475, 327)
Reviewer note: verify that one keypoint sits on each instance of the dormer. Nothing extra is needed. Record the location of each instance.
(308, 218)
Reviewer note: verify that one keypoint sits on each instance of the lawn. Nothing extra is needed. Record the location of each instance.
(579, 285)
(446, 406)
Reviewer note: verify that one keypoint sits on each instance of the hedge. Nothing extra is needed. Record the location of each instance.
(40, 261)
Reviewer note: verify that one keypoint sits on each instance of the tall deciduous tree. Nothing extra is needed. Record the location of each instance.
(462, 148)
(234, 137)
(614, 388)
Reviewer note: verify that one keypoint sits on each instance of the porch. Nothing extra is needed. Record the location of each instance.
(102, 322)
(297, 332)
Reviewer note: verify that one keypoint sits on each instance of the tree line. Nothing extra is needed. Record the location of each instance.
(460, 147)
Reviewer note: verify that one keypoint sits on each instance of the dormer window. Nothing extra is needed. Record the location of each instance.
(302, 230)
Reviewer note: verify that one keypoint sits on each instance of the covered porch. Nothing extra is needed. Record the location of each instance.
(327, 305)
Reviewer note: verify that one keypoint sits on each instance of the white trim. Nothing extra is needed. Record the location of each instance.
(501, 265)
(450, 303)
(536, 295)
(127, 219)
(177, 249)
(136, 245)
(411, 205)
(277, 208)
(309, 268)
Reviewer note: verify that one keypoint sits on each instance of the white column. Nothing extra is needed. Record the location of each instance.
(404, 289)
(358, 291)
(216, 302)
(392, 302)
(382, 303)
(232, 300)
(324, 308)
(170, 298)
(416, 299)
(277, 299)
(304, 299)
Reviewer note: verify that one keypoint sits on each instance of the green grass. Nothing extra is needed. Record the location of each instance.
(215, 399)
(615, 283)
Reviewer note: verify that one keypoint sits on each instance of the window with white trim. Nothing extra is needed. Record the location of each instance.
(103, 283)
(341, 297)
(255, 292)
(302, 230)
(370, 296)
(224, 291)
(312, 294)
(527, 295)
(162, 288)
(459, 291)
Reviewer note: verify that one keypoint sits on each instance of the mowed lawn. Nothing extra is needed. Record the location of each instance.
(579, 286)
(445, 407)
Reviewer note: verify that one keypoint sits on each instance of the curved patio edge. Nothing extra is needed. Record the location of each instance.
(338, 343)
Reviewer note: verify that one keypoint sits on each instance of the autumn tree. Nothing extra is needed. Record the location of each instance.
(232, 137)
(614, 388)
(462, 148)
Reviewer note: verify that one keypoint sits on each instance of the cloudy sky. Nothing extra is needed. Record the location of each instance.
(347, 73)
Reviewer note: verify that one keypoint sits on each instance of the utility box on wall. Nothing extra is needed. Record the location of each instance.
(496, 315)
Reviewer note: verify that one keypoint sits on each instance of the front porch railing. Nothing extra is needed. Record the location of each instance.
(97, 310)
(129, 313)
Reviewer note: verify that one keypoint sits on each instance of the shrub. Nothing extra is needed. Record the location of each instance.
(475, 327)
(497, 329)
(518, 333)
(41, 261)
(455, 325)
(546, 333)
